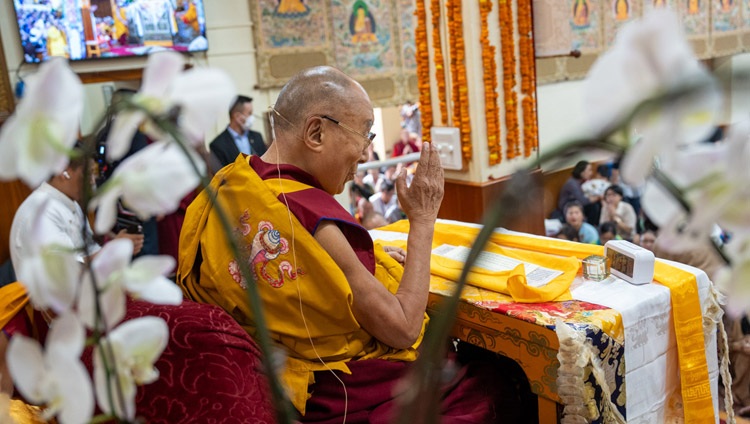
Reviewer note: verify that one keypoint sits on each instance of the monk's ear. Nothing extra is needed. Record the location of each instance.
(313, 136)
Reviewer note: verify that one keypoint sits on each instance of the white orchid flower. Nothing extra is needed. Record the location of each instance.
(114, 273)
(151, 182)
(55, 377)
(51, 269)
(202, 96)
(710, 177)
(136, 346)
(649, 57)
(36, 140)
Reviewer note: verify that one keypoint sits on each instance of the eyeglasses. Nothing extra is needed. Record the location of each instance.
(369, 136)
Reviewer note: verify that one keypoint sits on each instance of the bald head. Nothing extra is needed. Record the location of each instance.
(318, 90)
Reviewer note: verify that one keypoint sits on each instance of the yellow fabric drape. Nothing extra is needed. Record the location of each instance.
(686, 310)
(13, 299)
(302, 272)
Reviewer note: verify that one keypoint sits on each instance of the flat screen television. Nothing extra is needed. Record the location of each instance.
(95, 29)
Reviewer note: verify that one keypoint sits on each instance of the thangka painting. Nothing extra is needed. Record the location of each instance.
(649, 5)
(553, 24)
(585, 23)
(745, 13)
(407, 23)
(695, 17)
(363, 40)
(726, 16)
(291, 23)
(616, 14)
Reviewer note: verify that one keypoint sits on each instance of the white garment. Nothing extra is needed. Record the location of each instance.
(62, 214)
(378, 205)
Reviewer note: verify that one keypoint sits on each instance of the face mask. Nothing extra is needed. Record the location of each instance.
(248, 122)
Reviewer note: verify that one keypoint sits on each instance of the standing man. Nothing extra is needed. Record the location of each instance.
(238, 137)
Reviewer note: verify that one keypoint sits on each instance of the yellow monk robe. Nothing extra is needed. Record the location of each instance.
(686, 308)
(208, 273)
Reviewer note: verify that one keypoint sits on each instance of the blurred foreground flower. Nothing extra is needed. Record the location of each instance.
(201, 95)
(144, 278)
(136, 345)
(36, 140)
(151, 182)
(652, 57)
(54, 377)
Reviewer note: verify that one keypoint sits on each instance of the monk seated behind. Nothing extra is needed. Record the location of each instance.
(349, 316)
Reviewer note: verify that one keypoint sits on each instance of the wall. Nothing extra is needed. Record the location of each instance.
(231, 47)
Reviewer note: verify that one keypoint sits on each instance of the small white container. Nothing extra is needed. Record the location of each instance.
(630, 262)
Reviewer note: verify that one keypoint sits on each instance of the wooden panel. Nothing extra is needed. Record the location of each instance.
(553, 182)
(7, 101)
(466, 201)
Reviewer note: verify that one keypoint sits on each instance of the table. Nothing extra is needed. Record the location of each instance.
(629, 327)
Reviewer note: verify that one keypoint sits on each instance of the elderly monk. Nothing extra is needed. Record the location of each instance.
(349, 316)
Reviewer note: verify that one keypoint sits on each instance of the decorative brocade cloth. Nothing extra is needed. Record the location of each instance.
(306, 298)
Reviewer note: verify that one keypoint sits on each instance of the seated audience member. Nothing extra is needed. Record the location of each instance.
(567, 232)
(374, 179)
(404, 145)
(238, 137)
(374, 220)
(594, 189)
(385, 200)
(621, 213)
(574, 217)
(572, 191)
(631, 194)
(607, 232)
(62, 214)
(345, 305)
(648, 239)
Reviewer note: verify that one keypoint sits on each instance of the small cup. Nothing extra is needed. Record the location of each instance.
(595, 267)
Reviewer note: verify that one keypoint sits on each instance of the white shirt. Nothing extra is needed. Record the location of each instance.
(380, 206)
(62, 215)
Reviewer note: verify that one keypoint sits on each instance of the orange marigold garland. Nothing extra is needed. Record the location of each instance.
(423, 69)
(528, 78)
(510, 97)
(437, 50)
(489, 68)
(461, 117)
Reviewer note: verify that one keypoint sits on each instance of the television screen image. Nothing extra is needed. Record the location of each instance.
(93, 29)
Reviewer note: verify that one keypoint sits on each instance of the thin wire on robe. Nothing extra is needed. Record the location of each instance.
(294, 260)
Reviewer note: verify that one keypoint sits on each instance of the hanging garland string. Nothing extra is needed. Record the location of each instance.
(489, 68)
(528, 78)
(423, 69)
(437, 50)
(460, 87)
(510, 97)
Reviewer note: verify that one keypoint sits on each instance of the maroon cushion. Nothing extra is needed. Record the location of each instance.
(209, 371)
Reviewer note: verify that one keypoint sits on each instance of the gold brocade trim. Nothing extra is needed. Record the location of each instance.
(688, 325)
(528, 78)
(460, 87)
(437, 51)
(489, 69)
(510, 98)
(423, 69)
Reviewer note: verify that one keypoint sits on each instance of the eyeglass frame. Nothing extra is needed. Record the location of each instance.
(369, 137)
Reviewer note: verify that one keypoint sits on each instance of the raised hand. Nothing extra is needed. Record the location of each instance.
(421, 200)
